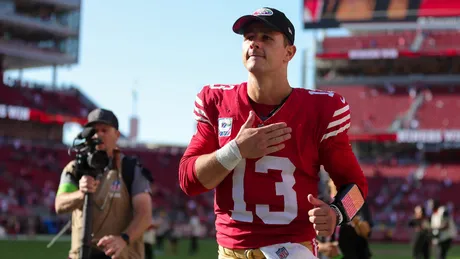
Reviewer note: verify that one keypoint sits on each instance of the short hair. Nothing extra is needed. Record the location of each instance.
(286, 41)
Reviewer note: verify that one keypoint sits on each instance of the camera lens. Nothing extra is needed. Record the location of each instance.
(98, 160)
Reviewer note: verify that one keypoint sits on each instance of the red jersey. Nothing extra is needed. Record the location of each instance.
(264, 201)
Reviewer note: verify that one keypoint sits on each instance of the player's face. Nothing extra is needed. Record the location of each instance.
(265, 50)
(109, 136)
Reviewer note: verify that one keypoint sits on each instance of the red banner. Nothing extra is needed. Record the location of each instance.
(335, 13)
(439, 8)
(13, 112)
(380, 137)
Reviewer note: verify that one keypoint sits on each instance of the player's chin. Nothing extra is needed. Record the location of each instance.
(254, 68)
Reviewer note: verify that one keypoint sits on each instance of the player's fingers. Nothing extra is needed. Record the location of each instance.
(272, 127)
(321, 227)
(278, 140)
(249, 122)
(317, 212)
(273, 149)
(278, 132)
(318, 220)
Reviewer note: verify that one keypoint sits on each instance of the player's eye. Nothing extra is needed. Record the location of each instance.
(249, 37)
(266, 37)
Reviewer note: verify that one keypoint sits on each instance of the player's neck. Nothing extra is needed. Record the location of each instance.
(268, 90)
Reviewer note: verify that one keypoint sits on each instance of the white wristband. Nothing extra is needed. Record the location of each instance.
(338, 213)
(229, 155)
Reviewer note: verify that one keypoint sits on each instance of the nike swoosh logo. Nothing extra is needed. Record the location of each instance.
(342, 99)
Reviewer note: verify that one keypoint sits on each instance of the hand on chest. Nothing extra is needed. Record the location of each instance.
(279, 137)
(254, 130)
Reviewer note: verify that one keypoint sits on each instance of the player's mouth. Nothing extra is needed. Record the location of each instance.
(255, 56)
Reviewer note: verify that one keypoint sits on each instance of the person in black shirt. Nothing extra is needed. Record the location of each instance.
(350, 241)
(353, 238)
(421, 241)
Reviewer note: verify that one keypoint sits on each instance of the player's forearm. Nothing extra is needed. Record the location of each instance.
(68, 202)
(198, 174)
(344, 168)
(204, 172)
(209, 171)
(188, 180)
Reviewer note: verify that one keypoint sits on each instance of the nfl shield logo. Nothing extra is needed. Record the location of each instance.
(225, 127)
(282, 253)
(115, 189)
(116, 186)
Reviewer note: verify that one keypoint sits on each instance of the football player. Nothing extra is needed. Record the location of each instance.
(260, 144)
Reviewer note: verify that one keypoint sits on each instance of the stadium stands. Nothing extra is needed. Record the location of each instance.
(433, 40)
(441, 40)
(67, 101)
(399, 40)
(440, 109)
(387, 105)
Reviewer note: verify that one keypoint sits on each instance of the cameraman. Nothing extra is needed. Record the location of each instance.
(121, 212)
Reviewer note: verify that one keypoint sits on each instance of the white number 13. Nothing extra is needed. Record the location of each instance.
(283, 188)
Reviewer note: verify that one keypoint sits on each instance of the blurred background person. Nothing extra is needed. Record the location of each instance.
(150, 240)
(443, 228)
(421, 239)
(195, 232)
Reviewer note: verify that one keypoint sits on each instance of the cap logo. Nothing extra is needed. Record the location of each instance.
(289, 29)
(263, 12)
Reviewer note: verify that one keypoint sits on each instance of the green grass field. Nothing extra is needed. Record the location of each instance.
(37, 250)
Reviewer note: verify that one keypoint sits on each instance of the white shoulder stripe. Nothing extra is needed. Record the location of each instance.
(199, 101)
(340, 111)
(199, 118)
(338, 122)
(201, 112)
(335, 132)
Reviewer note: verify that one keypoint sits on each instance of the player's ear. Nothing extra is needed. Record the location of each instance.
(290, 52)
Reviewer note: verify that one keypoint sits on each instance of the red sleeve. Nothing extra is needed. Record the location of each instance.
(203, 142)
(336, 154)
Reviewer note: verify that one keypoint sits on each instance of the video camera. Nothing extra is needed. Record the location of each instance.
(89, 161)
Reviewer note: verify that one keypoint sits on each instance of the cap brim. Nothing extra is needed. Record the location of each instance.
(90, 124)
(244, 21)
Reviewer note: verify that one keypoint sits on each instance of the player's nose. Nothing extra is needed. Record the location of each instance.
(255, 44)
